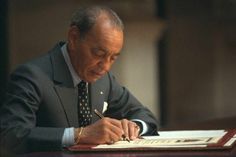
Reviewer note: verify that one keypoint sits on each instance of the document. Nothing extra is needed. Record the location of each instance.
(199, 138)
(171, 140)
(175, 142)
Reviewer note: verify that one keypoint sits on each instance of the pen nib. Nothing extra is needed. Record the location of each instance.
(125, 138)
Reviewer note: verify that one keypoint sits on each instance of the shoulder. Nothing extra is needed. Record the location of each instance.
(42, 65)
(33, 69)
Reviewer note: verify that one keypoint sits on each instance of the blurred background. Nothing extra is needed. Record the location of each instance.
(179, 56)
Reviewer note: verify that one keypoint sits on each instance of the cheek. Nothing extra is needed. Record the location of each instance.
(90, 64)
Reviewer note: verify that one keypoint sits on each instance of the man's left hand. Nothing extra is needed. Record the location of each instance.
(131, 129)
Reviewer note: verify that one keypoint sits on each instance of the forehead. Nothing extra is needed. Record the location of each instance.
(104, 22)
(104, 34)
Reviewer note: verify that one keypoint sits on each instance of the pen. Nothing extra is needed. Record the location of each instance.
(101, 116)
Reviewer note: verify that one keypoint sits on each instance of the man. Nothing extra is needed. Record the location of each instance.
(50, 101)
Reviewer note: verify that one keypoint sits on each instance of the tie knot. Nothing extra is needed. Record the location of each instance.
(82, 85)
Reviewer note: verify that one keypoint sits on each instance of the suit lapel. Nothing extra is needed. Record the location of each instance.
(61, 73)
(64, 87)
(68, 98)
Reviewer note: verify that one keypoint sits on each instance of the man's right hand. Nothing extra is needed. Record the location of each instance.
(106, 130)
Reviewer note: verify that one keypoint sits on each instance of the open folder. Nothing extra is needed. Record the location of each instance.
(171, 140)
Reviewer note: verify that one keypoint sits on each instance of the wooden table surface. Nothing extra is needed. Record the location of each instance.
(203, 153)
(226, 123)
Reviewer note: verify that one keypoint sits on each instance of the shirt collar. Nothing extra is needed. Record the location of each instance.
(76, 79)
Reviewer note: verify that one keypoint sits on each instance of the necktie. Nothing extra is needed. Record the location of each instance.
(85, 115)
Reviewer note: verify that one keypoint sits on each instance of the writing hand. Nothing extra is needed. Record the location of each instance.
(106, 130)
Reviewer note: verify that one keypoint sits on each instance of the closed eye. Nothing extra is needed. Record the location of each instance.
(98, 52)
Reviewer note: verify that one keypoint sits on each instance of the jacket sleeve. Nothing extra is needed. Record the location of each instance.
(122, 104)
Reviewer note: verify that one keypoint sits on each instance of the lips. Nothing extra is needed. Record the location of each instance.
(98, 74)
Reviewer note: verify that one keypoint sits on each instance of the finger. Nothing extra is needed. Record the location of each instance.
(125, 127)
(137, 130)
(133, 133)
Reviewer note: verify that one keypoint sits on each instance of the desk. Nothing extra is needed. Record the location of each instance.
(205, 153)
(213, 124)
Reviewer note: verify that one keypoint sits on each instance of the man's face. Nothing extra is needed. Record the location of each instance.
(94, 55)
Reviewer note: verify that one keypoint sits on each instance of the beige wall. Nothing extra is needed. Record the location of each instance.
(138, 67)
(201, 62)
(35, 26)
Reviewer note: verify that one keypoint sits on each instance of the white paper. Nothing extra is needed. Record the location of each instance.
(188, 133)
(172, 139)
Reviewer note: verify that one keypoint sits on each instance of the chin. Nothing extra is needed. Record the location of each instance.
(92, 79)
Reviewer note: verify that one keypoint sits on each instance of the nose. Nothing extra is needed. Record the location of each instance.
(105, 64)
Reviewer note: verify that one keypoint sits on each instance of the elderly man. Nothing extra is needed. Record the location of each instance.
(50, 101)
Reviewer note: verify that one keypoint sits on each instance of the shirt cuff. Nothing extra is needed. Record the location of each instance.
(68, 137)
(145, 127)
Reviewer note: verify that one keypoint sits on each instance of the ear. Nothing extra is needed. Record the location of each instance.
(73, 36)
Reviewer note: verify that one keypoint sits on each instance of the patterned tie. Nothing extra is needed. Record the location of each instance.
(85, 115)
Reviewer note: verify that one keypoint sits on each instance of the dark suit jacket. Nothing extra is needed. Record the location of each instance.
(41, 102)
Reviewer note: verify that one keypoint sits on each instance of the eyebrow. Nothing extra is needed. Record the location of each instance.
(105, 50)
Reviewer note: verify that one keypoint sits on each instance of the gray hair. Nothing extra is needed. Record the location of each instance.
(85, 18)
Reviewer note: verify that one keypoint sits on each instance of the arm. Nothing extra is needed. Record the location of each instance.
(19, 129)
(122, 104)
